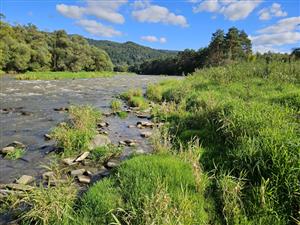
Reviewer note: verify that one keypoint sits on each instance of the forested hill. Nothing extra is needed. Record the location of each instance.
(130, 53)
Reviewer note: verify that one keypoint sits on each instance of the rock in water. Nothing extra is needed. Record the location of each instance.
(98, 141)
(7, 150)
(84, 179)
(146, 134)
(112, 163)
(82, 156)
(25, 179)
(17, 144)
(75, 173)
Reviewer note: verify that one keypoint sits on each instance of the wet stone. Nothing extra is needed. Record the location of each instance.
(146, 134)
(69, 161)
(113, 163)
(47, 137)
(17, 144)
(82, 157)
(25, 179)
(98, 141)
(7, 150)
(75, 173)
(84, 179)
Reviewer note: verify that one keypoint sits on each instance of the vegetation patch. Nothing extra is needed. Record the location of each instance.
(245, 117)
(75, 135)
(103, 154)
(116, 105)
(16, 154)
(64, 75)
(122, 114)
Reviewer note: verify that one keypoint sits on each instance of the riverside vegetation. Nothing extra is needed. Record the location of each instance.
(228, 154)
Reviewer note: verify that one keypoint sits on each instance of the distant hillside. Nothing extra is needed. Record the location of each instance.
(130, 53)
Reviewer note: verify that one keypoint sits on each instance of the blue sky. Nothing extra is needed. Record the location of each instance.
(180, 24)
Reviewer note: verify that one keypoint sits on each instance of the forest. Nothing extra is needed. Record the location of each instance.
(128, 54)
(25, 48)
(223, 49)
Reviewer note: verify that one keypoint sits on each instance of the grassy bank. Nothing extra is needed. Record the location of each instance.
(247, 120)
(48, 75)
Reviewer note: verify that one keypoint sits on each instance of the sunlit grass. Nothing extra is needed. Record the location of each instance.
(48, 75)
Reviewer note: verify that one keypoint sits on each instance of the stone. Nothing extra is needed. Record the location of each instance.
(103, 124)
(25, 179)
(112, 163)
(8, 149)
(122, 143)
(131, 126)
(69, 161)
(17, 144)
(102, 132)
(140, 151)
(61, 109)
(82, 157)
(143, 116)
(47, 137)
(84, 179)
(140, 126)
(106, 114)
(48, 175)
(98, 141)
(145, 124)
(146, 134)
(19, 187)
(75, 173)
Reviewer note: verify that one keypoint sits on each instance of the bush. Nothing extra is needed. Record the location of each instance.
(116, 105)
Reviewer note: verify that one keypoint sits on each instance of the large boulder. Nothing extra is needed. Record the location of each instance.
(98, 141)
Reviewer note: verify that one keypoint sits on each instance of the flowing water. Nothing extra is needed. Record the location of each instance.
(27, 113)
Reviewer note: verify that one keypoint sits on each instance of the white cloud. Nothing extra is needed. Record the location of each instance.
(231, 9)
(106, 10)
(97, 28)
(272, 11)
(72, 11)
(284, 32)
(151, 38)
(207, 6)
(158, 14)
(283, 25)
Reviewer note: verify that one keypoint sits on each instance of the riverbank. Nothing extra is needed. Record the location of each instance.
(49, 75)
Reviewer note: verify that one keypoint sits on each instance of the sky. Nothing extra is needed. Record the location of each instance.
(165, 24)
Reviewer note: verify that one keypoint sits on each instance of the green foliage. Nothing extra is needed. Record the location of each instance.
(98, 204)
(75, 136)
(246, 118)
(134, 98)
(129, 53)
(16, 154)
(102, 154)
(116, 105)
(122, 114)
(25, 48)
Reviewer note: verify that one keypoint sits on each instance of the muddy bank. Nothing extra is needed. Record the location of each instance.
(27, 113)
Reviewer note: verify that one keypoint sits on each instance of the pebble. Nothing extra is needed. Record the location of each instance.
(75, 173)
(7, 150)
(48, 175)
(146, 134)
(112, 163)
(69, 161)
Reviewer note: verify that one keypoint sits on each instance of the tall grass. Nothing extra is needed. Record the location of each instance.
(75, 135)
(246, 117)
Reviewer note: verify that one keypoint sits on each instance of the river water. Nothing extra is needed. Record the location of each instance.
(27, 113)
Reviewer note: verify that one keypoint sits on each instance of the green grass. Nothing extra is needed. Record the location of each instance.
(246, 117)
(16, 154)
(134, 98)
(122, 114)
(116, 105)
(103, 154)
(49, 75)
(158, 189)
(43, 205)
(75, 136)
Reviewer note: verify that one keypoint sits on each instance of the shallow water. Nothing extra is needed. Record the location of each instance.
(31, 114)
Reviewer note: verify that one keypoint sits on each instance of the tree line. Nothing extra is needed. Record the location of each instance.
(223, 49)
(25, 48)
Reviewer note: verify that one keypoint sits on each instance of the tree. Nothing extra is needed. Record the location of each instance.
(216, 49)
